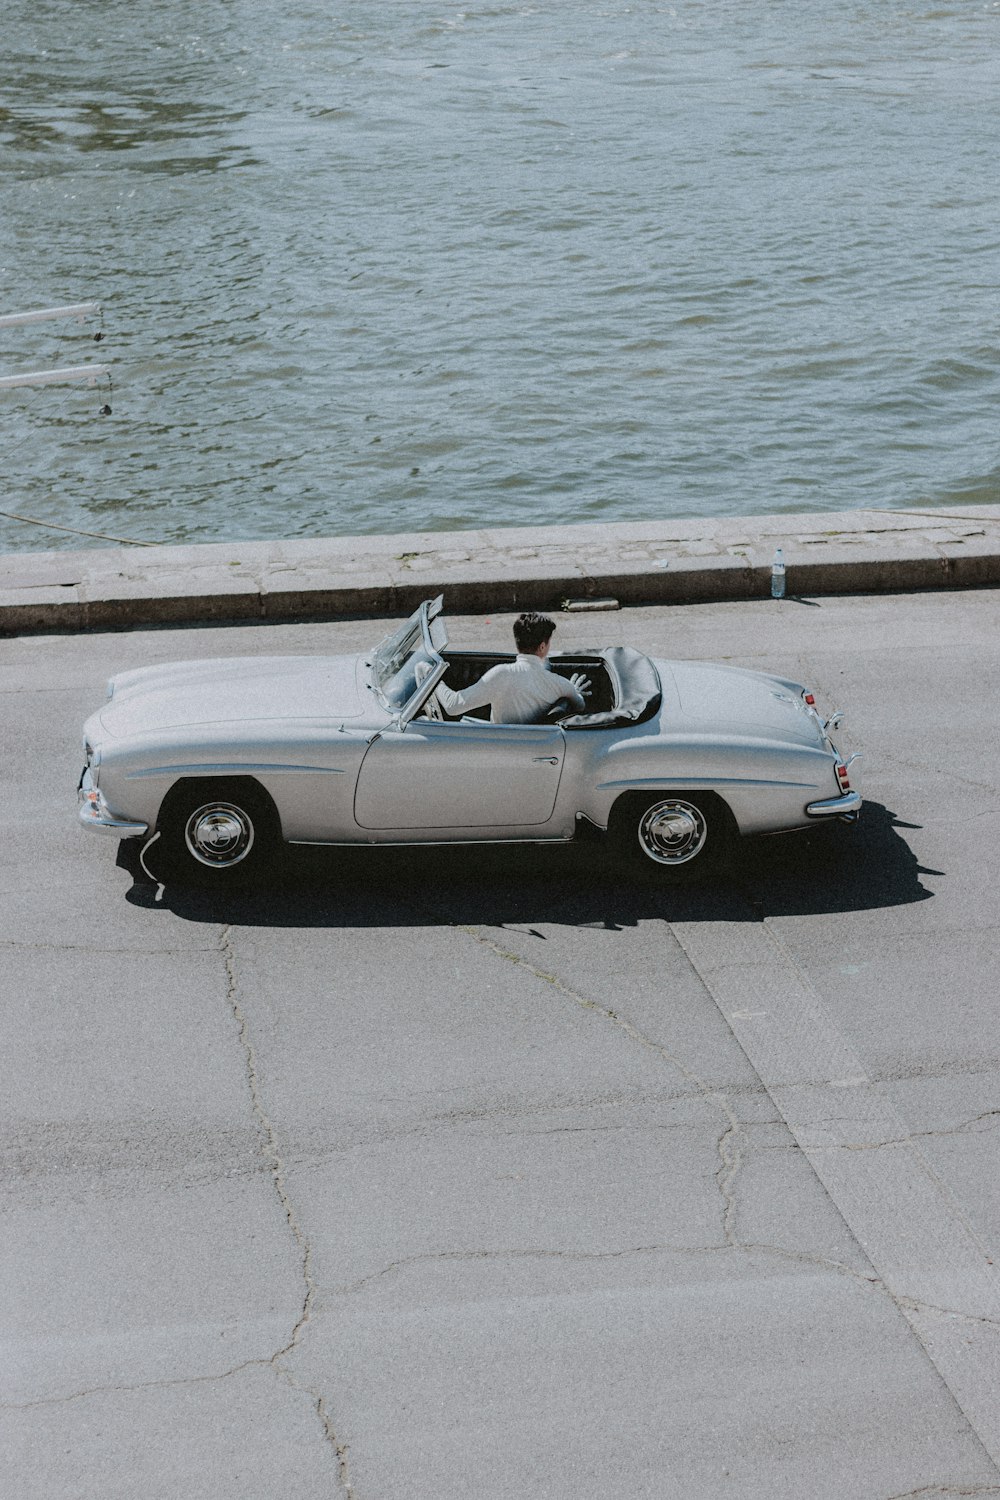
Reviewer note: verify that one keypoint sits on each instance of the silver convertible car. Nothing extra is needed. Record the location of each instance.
(225, 759)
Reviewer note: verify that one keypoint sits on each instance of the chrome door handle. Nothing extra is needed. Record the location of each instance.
(549, 760)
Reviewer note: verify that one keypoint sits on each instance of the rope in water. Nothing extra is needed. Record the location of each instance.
(125, 541)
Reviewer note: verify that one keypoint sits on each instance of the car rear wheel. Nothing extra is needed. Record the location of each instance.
(219, 834)
(672, 836)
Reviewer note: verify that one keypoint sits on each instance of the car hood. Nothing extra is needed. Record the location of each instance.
(730, 700)
(235, 690)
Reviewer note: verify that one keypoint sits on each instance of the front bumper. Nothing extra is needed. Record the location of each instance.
(95, 813)
(847, 807)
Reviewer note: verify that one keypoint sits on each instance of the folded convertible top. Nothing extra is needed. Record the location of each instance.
(637, 691)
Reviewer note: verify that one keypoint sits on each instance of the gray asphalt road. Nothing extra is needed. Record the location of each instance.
(457, 1174)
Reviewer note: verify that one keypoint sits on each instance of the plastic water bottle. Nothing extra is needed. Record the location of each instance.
(778, 575)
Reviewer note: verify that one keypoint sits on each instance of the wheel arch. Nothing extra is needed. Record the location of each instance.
(635, 797)
(221, 786)
(679, 835)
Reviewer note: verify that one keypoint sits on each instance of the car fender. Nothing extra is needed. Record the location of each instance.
(765, 785)
(309, 776)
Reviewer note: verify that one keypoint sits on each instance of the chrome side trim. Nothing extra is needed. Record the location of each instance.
(222, 768)
(703, 783)
(849, 805)
(562, 838)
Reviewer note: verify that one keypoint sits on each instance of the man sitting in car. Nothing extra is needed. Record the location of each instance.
(520, 691)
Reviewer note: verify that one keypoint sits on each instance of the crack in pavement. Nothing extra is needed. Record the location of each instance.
(786, 1036)
(915, 1135)
(274, 1164)
(432, 1257)
(118, 952)
(141, 1385)
(931, 1490)
(469, 1119)
(731, 1158)
(913, 1304)
(268, 1143)
(585, 1257)
(729, 1145)
(276, 1168)
(802, 1257)
(916, 1236)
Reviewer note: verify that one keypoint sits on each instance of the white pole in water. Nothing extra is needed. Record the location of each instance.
(90, 373)
(79, 310)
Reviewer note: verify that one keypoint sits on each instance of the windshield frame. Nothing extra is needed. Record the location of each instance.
(393, 664)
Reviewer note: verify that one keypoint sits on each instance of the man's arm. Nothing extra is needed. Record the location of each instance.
(456, 702)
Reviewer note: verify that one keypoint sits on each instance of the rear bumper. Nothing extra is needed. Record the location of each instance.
(848, 807)
(95, 813)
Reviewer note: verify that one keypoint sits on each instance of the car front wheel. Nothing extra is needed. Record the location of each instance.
(672, 836)
(218, 835)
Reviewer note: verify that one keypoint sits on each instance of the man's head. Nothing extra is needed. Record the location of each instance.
(531, 631)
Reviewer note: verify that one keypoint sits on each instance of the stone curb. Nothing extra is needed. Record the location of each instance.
(679, 562)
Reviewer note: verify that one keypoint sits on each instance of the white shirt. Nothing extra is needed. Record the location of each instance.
(518, 692)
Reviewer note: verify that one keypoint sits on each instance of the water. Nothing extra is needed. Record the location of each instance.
(414, 265)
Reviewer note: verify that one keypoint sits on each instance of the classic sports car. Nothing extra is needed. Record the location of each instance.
(225, 759)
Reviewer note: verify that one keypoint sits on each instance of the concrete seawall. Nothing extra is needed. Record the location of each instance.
(648, 562)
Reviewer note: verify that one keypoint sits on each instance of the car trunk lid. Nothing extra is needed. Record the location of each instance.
(729, 699)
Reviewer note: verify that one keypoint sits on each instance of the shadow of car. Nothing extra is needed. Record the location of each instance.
(831, 868)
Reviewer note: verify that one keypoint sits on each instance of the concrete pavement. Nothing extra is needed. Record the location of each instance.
(649, 562)
(449, 1174)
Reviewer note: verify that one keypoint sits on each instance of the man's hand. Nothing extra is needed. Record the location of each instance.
(582, 684)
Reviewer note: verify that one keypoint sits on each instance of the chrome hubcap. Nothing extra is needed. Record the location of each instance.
(219, 834)
(672, 832)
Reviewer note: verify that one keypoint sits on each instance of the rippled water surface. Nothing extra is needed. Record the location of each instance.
(416, 265)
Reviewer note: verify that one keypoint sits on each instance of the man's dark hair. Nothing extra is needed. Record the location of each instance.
(531, 629)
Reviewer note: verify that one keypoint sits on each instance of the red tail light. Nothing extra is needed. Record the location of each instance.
(810, 699)
(843, 780)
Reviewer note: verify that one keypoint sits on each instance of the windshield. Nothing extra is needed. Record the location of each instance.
(396, 659)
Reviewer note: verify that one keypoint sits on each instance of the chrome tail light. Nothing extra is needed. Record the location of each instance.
(842, 771)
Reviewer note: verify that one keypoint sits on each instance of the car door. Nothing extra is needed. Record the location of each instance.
(460, 776)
